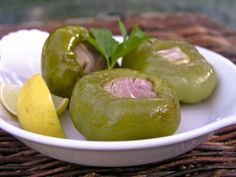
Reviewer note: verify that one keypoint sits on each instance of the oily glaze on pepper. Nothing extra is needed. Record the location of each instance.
(104, 106)
(180, 63)
(66, 57)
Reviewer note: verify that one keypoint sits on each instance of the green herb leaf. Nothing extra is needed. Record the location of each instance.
(136, 37)
(123, 30)
(103, 41)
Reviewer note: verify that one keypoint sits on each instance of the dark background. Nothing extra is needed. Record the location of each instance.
(18, 11)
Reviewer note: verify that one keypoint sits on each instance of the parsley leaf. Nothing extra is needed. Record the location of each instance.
(136, 37)
(123, 30)
(103, 41)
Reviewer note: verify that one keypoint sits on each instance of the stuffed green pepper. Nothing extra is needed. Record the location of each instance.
(192, 77)
(66, 57)
(123, 104)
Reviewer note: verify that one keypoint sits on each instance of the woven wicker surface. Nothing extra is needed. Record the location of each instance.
(214, 157)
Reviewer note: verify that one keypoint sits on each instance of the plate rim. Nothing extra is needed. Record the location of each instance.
(116, 145)
(123, 145)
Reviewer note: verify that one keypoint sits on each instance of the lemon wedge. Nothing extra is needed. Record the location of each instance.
(9, 93)
(60, 104)
(8, 97)
(35, 109)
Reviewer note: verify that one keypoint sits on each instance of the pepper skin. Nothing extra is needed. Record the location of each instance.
(66, 57)
(192, 78)
(98, 115)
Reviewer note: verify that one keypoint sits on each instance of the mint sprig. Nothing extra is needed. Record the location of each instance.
(103, 41)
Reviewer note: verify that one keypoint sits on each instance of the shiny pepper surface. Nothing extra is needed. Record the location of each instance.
(66, 57)
(99, 115)
(192, 77)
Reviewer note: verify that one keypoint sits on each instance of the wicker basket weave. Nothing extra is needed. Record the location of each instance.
(215, 157)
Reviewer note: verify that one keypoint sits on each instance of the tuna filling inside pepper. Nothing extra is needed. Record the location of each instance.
(173, 55)
(129, 87)
(88, 58)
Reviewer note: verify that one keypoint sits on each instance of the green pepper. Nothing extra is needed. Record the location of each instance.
(192, 77)
(140, 106)
(66, 57)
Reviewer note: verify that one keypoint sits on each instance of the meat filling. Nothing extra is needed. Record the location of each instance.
(128, 87)
(175, 55)
(89, 59)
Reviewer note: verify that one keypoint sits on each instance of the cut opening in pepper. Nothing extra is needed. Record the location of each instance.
(129, 87)
(174, 55)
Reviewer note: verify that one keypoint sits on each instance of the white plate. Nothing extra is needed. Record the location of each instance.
(20, 54)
